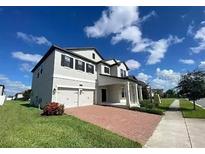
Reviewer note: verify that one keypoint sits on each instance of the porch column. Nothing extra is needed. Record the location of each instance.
(127, 90)
(140, 93)
(136, 92)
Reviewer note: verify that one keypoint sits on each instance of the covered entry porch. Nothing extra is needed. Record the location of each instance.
(119, 92)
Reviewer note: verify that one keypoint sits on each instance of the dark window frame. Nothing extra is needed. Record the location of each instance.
(106, 70)
(121, 73)
(123, 93)
(38, 75)
(93, 55)
(78, 66)
(89, 70)
(67, 63)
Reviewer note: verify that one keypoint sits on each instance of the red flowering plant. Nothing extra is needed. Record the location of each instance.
(53, 108)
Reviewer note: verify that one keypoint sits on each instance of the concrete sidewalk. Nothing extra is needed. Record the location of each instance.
(171, 131)
(174, 131)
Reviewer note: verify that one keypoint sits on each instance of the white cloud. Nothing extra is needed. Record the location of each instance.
(26, 56)
(26, 67)
(187, 61)
(148, 16)
(165, 79)
(123, 23)
(158, 49)
(40, 40)
(202, 65)
(113, 20)
(202, 22)
(11, 86)
(200, 37)
(143, 77)
(132, 64)
(190, 29)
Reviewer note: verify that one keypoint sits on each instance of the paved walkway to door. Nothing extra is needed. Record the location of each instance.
(134, 125)
(174, 131)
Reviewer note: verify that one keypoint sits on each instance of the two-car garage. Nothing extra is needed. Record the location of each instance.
(74, 97)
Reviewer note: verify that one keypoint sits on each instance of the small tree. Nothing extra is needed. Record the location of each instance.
(27, 94)
(171, 93)
(192, 86)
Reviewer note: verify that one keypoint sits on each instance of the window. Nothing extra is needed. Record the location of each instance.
(107, 70)
(38, 75)
(79, 65)
(66, 61)
(89, 68)
(121, 73)
(93, 56)
(123, 92)
(124, 73)
(41, 70)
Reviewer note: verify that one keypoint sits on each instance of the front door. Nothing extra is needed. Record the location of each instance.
(103, 95)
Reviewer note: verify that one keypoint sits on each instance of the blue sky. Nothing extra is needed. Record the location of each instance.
(158, 43)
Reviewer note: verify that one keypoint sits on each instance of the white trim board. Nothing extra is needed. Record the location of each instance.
(74, 87)
(71, 78)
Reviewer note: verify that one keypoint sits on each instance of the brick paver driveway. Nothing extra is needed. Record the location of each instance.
(134, 125)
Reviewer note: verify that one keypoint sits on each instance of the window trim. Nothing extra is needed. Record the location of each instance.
(105, 67)
(77, 65)
(71, 64)
(87, 64)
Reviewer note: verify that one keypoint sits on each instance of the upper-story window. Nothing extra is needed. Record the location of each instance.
(66, 61)
(79, 65)
(122, 73)
(107, 70)
(93, 55)
(38, 75)
(89, 68)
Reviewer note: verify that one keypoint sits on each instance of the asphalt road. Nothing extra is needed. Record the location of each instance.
(201, 102)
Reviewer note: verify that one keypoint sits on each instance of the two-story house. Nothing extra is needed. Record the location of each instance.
(80, 76)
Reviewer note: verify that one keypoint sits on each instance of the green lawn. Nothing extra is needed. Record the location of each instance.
(166, 102)
(22, 126)
(188, 112)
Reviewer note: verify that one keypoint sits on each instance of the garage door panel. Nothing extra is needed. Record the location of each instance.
(68, 97)
(71, 97)
(86, 97)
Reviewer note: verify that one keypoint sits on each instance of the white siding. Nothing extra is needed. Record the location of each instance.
(88, 54)
(100, 68)
(71, 78)
(122, 66)
(71, 72)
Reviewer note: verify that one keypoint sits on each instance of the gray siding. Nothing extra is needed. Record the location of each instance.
(42, 86)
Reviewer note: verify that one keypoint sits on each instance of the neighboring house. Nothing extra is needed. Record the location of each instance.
(2, 87)
(9, 98)
(80, 76)
(158, 91)
(18, 96)
(2, 96)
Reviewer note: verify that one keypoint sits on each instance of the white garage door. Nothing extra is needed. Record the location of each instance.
(86, 97)
(68, 97)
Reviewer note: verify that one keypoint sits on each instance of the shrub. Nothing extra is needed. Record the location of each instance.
(53, 108)
(143, 109)
(147, 104)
